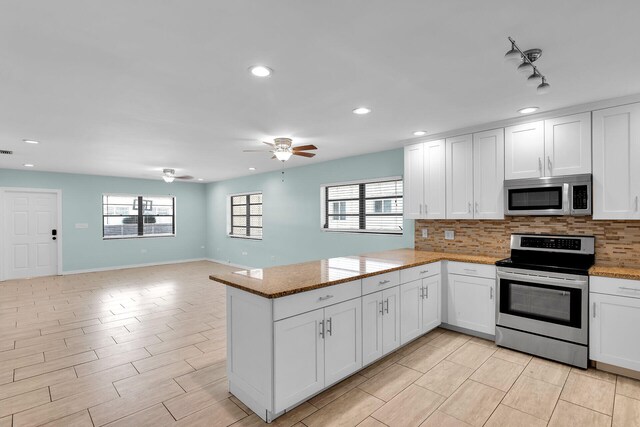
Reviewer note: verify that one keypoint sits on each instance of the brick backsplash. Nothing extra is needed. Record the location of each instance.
(617, 242)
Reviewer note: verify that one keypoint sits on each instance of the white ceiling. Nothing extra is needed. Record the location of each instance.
(126, 88)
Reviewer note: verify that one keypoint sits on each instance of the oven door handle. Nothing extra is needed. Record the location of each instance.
(569, 283)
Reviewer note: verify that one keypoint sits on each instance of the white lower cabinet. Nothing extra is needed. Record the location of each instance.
(471, 302)
(380, 323)
(420, 313)
(316, 349)
(613, 337)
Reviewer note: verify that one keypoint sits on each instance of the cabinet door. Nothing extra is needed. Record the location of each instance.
(299, 358)
(567, 145)
(343, 340)
(431, 303)
(459, 185)
(472, 303)
(391, 319)
(488, 174)
(612, 337)
(413, 181)
(524, 151)
(371, 327)
(410, 310)
(616, 162)
(434, 179)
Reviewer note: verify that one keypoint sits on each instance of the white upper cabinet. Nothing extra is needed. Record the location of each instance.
(488, 174)
(616, 162)
(524, 151)
(567, 145)
(434, 179)
(459, 185)
(413, 181)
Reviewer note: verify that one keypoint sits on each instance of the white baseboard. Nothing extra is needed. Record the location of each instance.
(219, 261)
(122, 267)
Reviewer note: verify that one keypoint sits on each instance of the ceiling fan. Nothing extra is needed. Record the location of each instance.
(282, 149)
(170, 174)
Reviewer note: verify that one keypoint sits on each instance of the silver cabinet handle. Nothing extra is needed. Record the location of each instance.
(322, 329)
(469, 270)
(491, 293)
(420, 208)
(424, 271)
(540, 164)
(381, 308)
(469, 208)
(383, 282)
(421, 292)
(426, 209)
(426, 292)
(387, 307)
(549, 163)
(636, 203)
(594, 310)
(329, 328)
(625, 288)
(325, 298)
(477, 207)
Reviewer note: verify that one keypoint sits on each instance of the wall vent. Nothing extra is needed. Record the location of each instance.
(6, 152)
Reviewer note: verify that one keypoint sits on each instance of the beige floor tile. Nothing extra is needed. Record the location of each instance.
(179, 342)
(91, 382)
(33, 383)
(589, 392)
(25, 401)
(425, 357)
(512, 356)
(409, 408)
(6, 421)
(533, 396)
(472, 403)
(112, 350)
(440, 419)
(155, 416)
(628, 387)
(337, 390)
(627, 412)
(287, 420)
(111, 361)
(376, 367)
(54, 365)
(419, 342)
(79, 419)
(6, 376)
(150, 379)
(596, 373)
(167, 358)
(545, 370)
(347, 410)
(505, 416)
(188, 403)
(212, 345)
(241, 405)
(21, 352)
(208, 359)
(224, 413)
(390, 382)
(449, 340)
(498, 373)
(202, 377)
(370, 422)
(23, 361)
(485, 343)
(445, 378)
(471, 355)
(569, 415)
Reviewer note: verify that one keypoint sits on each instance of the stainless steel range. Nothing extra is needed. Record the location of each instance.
(543, 297)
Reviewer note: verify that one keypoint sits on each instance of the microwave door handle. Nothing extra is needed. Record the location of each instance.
(565, 199)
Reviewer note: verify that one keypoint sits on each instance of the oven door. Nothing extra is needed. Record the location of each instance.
(550, 304)
(543, 199)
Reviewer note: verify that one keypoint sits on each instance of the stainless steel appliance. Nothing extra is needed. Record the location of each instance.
(542, 299)
(559, 195)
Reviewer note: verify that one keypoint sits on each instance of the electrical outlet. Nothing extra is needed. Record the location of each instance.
(244, 252)
(425, 233)
(449, 235)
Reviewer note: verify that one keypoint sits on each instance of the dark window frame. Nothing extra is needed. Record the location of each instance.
(140, 203)
(247, 216)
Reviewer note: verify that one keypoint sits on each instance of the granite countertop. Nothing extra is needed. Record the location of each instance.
(276, 282)
(615, 272)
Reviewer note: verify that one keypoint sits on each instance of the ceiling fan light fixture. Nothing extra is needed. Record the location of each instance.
(168, 179)
(283, 156)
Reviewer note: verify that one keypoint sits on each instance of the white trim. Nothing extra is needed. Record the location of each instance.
(364, 181)
(59, 236)
(124, 267)
(527, 118)
(348, 230)
(229, 263)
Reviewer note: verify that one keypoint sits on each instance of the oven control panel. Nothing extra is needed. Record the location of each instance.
(566, 244)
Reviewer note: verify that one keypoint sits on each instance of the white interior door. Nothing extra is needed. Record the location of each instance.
(30, 247)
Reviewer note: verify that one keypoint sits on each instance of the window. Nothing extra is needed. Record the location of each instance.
(246, 216)
(126, 216)
(372, 206)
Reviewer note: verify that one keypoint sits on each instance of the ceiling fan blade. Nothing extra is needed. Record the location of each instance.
(184, 177)
(256, 151)
(274, 157)
(305, 147)
(303, 154)
(269, 143)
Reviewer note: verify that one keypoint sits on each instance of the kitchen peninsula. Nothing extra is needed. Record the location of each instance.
(295, 330)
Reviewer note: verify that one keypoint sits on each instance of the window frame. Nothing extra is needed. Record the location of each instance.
(138, 202)
(248, 215)
(324, 207)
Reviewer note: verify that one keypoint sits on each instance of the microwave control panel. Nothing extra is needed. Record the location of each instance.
(580, 197)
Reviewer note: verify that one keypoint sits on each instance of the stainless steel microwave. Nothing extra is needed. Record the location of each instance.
(558, 195)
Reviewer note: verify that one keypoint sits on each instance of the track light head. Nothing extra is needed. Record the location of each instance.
(513, 55)
(544, 87)
(534, 79)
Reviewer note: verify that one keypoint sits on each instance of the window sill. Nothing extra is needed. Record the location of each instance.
(244, 237)
(137, 237)
(387, 233)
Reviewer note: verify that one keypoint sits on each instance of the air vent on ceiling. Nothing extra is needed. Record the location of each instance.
(6, 152)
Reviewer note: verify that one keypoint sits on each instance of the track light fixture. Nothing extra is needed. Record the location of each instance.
(526, 59)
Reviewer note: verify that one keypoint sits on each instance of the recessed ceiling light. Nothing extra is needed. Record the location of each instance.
(200, 179)
(362, 110)
(252, 169)
(28, 165)
(527, 110)
(30, 141)
(260, 71)
(420, 133)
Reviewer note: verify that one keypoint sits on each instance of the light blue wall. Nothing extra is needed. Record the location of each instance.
(291, 213)
(82, 203)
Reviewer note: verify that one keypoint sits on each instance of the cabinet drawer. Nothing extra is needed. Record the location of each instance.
(612, 286)
(317, 298)
(420, 272)
(470, 269)
(380, 282)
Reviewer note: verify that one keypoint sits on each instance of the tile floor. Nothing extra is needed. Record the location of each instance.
(146, 347)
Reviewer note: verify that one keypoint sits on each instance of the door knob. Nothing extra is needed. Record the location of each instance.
(54, 234)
